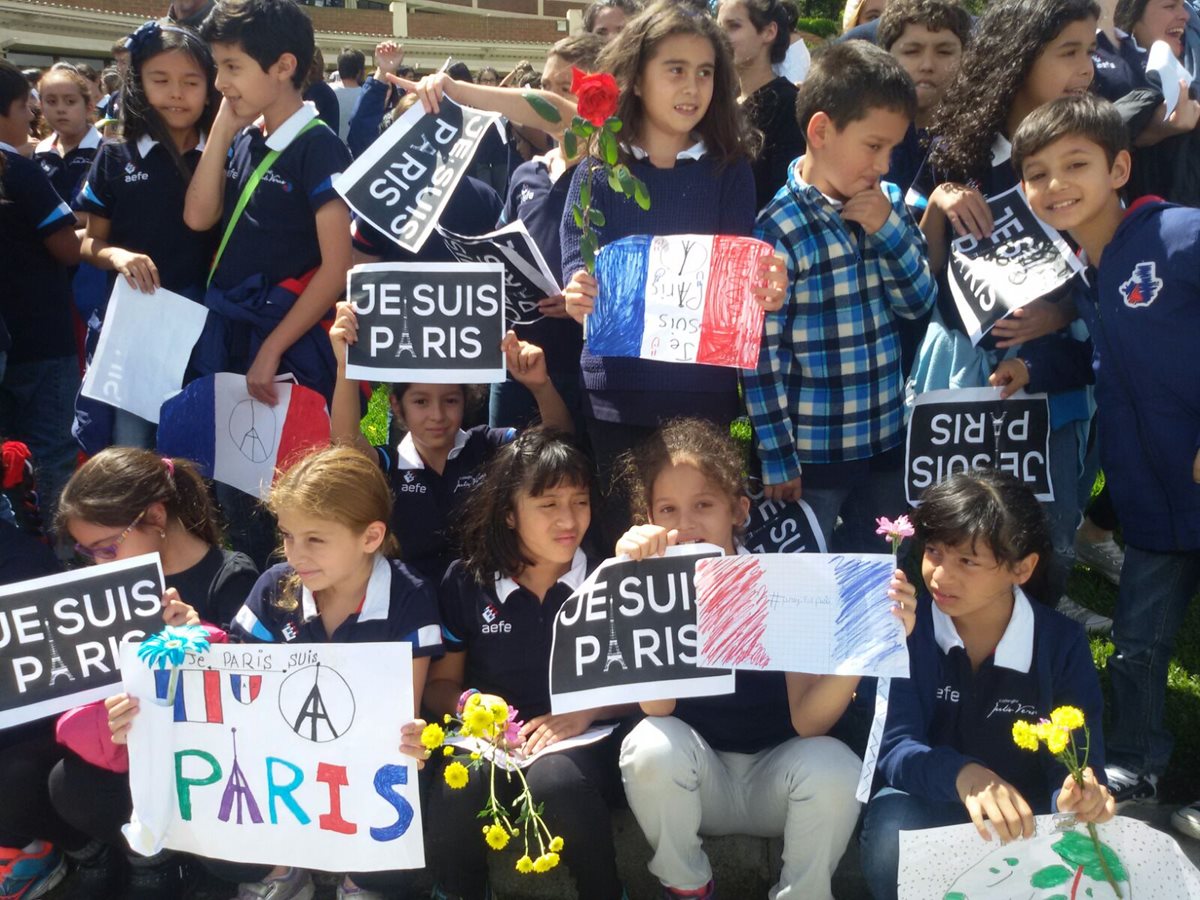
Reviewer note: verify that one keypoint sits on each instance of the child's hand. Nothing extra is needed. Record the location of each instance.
(772, 286)
(429, 90)
(787, 492)
(1035, 319)
(644, 541)
(905, 597)
(344, 332)
(553, 307)
(870, 208)
(176, 612)
(526, 361)
(1185, 115)
(1092, 803)
(542, 731)
(388, 56)
(121, 712)
(260, 377)
(989, 798)
(965, 209)
(410, 741)
(1010, 376)
(580, 295)
(226, 124)
(139, 269)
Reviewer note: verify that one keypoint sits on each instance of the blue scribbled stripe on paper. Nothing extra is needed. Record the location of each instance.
(615, 327)
(865, 627)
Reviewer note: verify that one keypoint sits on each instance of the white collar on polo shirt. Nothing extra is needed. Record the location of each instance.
(146, 143)
(375, 605)
(407, 456)
(696, 151)
(282, 136)
(573, 579)
(1015, 650)
(91, 140)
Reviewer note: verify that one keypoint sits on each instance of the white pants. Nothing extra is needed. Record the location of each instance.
(680, 788)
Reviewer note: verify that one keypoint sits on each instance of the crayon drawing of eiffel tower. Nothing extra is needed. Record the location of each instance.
(58, 668)
(615, 658)
(405, 342)
(314, 713)
(238, 791)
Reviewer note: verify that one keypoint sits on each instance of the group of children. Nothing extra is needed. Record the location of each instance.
(220, 189)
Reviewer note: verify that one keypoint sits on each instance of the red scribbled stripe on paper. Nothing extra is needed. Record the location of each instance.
(731, 330)
(731, 612)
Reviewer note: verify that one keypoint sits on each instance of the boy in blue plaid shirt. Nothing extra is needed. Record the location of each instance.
(827, 392)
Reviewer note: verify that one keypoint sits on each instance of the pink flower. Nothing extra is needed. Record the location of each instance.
(898, 530)
(512, 732)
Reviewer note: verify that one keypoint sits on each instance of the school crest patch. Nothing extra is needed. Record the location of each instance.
(1143, 286)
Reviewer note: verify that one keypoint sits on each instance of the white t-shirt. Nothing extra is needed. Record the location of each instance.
(347, 98)
(795, 65)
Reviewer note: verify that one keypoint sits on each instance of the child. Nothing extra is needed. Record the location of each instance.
(522, 533)
(67, 154)
(436, 463)
(856, 263)
(337, 586)
(1140, 307)
(982, 657)
(285, 246)
(755, 761)
(38, 245)
(134, 194)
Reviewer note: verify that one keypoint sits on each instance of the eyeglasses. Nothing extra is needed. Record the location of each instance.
(108, 551)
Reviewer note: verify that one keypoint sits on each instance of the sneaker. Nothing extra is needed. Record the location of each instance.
(708, 892)
(97, 872)
(1105, 557)
(1130, 787)
(160, 877)
(1091, 620)
(1186, 820)
(348, 890)
(293, 884)
(31, 875)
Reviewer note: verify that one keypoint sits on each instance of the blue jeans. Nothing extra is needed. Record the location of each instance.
(1064, 512)
(37, 406)
(1154, 595)
(890, 812)
(133, 431)
(511, 405)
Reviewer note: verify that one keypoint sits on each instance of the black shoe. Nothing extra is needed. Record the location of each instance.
(98, 873)
(159, 877)
(1127, 786)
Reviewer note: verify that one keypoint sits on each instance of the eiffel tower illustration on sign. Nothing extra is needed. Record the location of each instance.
(405, 342)
(58, 668)
(614, 649)
(314, 712)
(238, 791)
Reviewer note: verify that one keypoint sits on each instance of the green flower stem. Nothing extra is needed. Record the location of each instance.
(1091, 827)
(172, 685)
(1071, 761)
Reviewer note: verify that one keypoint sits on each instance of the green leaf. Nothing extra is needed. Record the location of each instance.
(955, 895)
(589, 256)
(578, 214)
(627, 180)
(585, 191)
(1078, 850)
(580, 127)
(608, 147)
(614, 124)
(641, 195)
(570, 144)
(542, 107)
(615, 183)
(1051, 876)
(597, 218)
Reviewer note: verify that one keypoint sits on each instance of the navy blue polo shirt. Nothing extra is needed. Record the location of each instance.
(35, 302)
(141, 192)
(67, 171)
(472, 209)
(539, 203)
(755, 717)
(426, 503)
(398, 606)
(1118, 69)
(277, 232)
(506, 633)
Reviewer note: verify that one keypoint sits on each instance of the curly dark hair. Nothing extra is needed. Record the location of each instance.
(1008, 39)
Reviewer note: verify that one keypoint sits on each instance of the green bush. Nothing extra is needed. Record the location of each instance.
(825, 28)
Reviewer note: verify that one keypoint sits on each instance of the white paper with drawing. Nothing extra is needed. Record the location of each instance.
(143, 349)
(518, 759)
(1163, 62)
(954, 864)
(800, 612)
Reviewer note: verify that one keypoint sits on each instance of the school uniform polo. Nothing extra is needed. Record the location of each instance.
(398, 606)
(36, 297)
(426, 503)
(66, 171)
(277, 232)
(506, 632)
(140, 190)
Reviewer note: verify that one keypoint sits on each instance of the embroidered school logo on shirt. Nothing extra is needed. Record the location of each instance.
(1012, 707)
(132, 174)
(524, 195)
(1142, 287)
(490, 613)
(466, 482)
(289, 632)
(410, 485)
(271, 177)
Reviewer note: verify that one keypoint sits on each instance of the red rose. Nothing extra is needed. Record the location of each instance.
(596, 95)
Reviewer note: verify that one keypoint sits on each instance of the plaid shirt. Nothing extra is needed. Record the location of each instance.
(828, 386)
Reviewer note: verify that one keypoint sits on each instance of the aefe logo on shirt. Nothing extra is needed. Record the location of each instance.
(410, 485)
(132, 174)
(948, 693)
(1143, 286)
(490, 615)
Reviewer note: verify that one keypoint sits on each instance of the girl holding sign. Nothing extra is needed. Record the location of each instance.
(982, 656)
(756, 761)
(522, 533)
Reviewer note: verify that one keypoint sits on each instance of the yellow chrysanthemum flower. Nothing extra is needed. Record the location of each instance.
(1068, 717)
(542, 864)
(525, 865)
(499, 712)
(497, 837)
(457, 775)
(473, 701)
(446, 718)
(474, 754)
(552, 859)
(1057, 739)
(556, 844)
(1025, 735)
(432, 736)
(478, 719)
(447, 750)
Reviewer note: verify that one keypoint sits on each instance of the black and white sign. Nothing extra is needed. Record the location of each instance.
(972, 428)
(1023, 260)
(527, 278)
(60, 636)
(774, 526)
(439, 323)
(404, 180)
(629, 634)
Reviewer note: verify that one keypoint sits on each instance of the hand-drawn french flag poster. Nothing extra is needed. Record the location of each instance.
(1023, 260)
(683, 298)
(427, 322)
(825, 614)
(776, 526)
(527, 277)
(236, 439)
(274, 754)
(629, 634)
(143, 349)
(60, 635)
(404, 180)
(963, 429)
